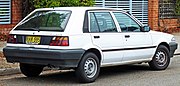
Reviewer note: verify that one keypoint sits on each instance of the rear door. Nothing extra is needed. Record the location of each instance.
(106, 36)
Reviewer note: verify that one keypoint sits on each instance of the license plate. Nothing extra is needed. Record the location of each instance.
(33, 40)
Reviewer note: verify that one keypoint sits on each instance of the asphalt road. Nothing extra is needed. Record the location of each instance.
(132, 75)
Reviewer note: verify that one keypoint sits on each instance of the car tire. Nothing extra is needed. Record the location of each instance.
(88, 68)
(30, 70)
(161, 58)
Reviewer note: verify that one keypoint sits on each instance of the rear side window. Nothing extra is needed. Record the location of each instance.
(102, 22)
(46, 21)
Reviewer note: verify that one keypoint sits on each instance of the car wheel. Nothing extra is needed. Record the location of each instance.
(30, 70)
(161, 58)
(88, 68)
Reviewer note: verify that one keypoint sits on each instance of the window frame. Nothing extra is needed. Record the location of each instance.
(89, 28)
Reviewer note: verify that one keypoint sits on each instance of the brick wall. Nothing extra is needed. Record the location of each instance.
(153, 14)
(16, 13)
(170, 24)
(167, 25)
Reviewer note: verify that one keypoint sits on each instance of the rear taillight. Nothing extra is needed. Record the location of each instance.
(11, 39)
(60, 41)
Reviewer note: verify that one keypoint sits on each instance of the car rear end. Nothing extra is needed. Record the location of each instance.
(42, 38)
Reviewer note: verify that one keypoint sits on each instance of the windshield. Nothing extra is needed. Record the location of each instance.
(45, 21)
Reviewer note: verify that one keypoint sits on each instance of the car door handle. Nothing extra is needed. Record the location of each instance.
(96, 37)
(127, 36)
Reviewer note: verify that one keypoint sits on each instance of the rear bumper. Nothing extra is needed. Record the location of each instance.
(173, 46)
(54, 57)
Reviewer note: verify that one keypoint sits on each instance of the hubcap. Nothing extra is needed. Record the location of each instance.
(161, 58)
(90, 67)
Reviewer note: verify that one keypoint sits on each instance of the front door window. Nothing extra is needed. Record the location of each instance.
(126, 23)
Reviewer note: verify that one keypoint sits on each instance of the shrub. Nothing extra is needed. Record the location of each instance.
(3, 37)
(61, 3)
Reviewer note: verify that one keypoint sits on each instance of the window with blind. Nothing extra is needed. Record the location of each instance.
(5, 11)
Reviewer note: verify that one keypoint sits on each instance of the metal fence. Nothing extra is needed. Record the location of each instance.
(139, 8)
(167, 8)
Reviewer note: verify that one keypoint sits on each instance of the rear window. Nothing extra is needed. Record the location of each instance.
(45, 21)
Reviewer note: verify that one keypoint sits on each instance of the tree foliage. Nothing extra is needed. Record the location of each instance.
(30, 5)
(61, 3)
(177, 8)
(177, 11)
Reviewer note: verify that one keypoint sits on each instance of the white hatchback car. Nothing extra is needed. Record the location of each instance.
(85, 39)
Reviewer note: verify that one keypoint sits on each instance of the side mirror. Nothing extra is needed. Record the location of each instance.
(146, 29)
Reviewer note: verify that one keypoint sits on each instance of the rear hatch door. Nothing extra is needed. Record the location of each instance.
(39, 28)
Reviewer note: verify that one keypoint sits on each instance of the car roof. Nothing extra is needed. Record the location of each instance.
(80, 8)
